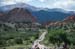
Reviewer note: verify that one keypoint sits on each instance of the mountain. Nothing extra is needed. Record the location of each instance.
(18, 15)
(2, 16)
(45, 16)
(70, 18)
(42, 15)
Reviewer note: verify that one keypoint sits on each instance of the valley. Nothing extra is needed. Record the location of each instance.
(22, 27)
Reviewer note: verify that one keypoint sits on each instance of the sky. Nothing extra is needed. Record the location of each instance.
(64, 4)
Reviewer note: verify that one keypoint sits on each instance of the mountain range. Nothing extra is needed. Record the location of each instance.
(20, 11)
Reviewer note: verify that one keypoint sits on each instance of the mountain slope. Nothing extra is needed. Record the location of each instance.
(45, 16)
(42, 14)
(18, 15)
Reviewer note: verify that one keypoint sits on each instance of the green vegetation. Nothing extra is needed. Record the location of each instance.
(22, 35)
(17, 35)
(61, 36)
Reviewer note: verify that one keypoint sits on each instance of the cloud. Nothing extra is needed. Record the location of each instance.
(64, 4)
(9, 2)
(41, 0)
(24, 1)
(6, 2)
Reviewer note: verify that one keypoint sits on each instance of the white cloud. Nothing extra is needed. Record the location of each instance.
(42, 0)
(7, 2)
(24, 1)
(64, 4)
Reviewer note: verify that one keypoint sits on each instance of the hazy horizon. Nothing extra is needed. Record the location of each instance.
(63, 4)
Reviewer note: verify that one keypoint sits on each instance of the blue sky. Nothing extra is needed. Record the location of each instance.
(64, 4)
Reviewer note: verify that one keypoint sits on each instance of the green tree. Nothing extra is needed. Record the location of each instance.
(19, 41)
(58, 36)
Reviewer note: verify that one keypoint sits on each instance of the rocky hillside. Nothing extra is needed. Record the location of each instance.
(17, 15)
(69, 19)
